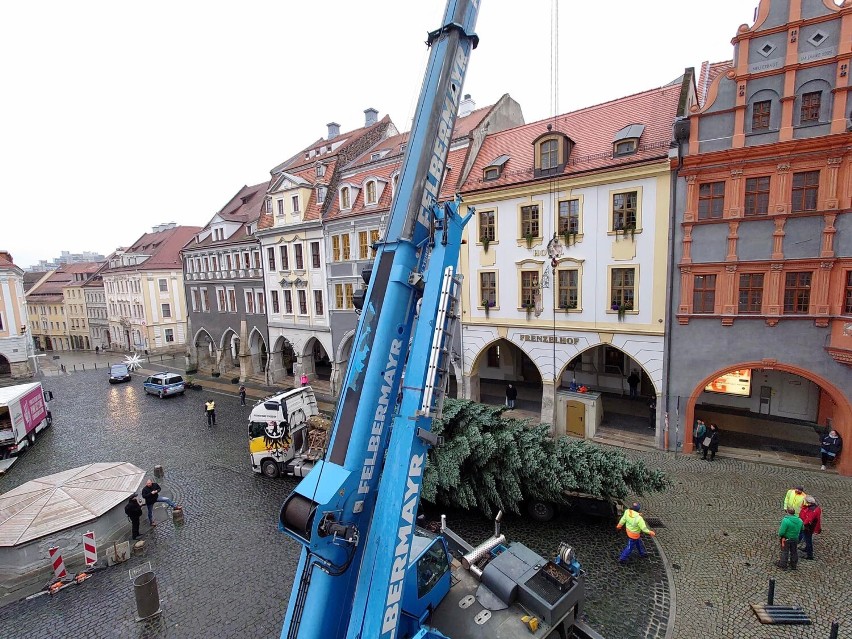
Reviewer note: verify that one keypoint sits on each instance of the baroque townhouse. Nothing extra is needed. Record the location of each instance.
(565, 261)
(47, 317)
(14, 341)
(224, 287)
(96, 310)
(76, 310)
(356, 218)
(145, 293)
(762, 248)
(294, 252)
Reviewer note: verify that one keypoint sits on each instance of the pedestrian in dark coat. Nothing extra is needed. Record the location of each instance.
(511, 395)
(831, 445)
(710, 442)
(652, 413)
(633, 382)
(134, 511)
(242, 395)
(151, 495)
(811, 516)
(698, 434)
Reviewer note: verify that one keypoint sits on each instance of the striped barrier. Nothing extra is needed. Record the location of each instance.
(58, 564)
(90, 550)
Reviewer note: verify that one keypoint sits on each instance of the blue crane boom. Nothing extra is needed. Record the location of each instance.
(405, 324)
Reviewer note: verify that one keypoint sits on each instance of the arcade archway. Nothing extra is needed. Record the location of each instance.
(774, 408)
(206, 352)
(627, 391)
(230, 358)
(500, 363)
(316, 363)
(257, 353)
(5, 367)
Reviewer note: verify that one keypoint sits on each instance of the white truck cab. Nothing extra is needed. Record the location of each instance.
(279, 442)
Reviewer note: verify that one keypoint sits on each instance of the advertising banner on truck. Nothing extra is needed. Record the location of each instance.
(33, 409)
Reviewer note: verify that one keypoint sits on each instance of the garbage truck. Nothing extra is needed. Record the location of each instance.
(23, 415)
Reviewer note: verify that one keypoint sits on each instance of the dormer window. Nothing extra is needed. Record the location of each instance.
(375, 156)
(495, 168)
(626, 141)
(295, 200)
(551, 153)
(370, 195)
(345, 201)
(626, 147)
(320, 170)
(321, 191)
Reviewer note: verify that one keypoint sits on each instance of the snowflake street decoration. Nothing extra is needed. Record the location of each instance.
(133, 362)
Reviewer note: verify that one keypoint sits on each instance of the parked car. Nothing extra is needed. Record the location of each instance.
(163, 384)
(119, 373)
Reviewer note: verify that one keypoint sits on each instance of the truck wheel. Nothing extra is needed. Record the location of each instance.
(31, 438)
(269, 468)
(541, 511)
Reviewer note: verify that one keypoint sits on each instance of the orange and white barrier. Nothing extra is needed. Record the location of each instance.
(58, 563)
(90, 550)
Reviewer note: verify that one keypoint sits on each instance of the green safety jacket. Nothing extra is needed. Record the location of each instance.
(634, 523)
(791, 527)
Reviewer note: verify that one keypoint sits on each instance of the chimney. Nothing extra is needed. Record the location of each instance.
(156, 229)
(333, 130)
(371, 116)
(7, 255)
(466, 106)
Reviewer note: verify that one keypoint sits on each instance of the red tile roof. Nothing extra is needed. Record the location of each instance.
(6, 259)
(362, 168)
(163, 247)
(592, 130)
(709, 72)
(50, 290)
(245, 207)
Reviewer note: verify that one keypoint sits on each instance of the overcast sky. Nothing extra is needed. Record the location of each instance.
(117, 116)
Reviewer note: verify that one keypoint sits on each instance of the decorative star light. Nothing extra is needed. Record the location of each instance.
(133, 361)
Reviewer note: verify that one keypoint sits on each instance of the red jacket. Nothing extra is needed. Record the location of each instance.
(812, 518)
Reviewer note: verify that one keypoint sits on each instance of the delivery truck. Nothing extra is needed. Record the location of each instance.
(23, 415)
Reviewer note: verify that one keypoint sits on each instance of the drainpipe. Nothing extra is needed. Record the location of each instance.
(670, 269)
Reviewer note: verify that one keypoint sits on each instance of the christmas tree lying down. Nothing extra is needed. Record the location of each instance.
(493, 463)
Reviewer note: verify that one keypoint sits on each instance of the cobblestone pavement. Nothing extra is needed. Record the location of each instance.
(720, 537)
(227, 572)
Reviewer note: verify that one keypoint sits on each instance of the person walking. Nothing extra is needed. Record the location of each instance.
(710, 442)
(794, 498)
(830, 448)
(811, 516)
(635, 525)
(210, 409)
(511, 395)
(698, 434)
(633, 382)
(242, 392)
(788, 532)
(304, 379)
(652, 413)
(151, 495)
(134, 512)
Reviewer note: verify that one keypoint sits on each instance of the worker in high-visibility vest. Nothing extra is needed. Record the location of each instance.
(210, 409)
(635, 525)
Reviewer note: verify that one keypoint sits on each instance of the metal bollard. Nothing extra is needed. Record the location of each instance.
(147, 596)
(770, 597)
(835, 628)
(159, 473)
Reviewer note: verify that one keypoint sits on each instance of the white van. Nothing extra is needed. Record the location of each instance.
(279, 442)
